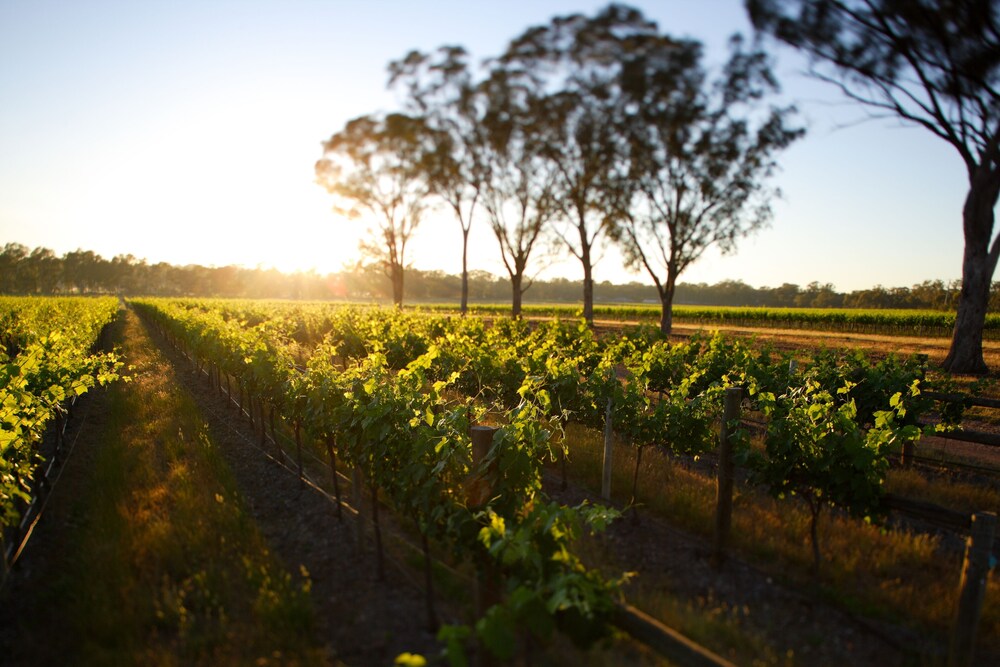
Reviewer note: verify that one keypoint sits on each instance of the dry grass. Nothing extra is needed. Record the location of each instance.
(888, 573)
(965, 497)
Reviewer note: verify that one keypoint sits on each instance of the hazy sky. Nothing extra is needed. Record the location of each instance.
(187, 131)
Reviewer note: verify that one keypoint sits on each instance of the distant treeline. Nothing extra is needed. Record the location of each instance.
(41, 271)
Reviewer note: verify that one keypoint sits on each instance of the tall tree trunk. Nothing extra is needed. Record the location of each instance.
(588, 266)
(588, 286)
(465, 270)
(515, 304)
(966, 353)
(978, 264)
(396, 275)
(815, 505)
(667, 304)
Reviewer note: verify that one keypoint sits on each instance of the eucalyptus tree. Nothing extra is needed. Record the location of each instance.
(930, 63)
(373, 166)
(127, 273)
(573, 67)
(85, 270)
(702, 149)
(45, 270)
(13, 259)
(441, 90)
(519, 189)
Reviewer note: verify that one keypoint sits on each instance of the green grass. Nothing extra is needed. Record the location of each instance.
(169, 569)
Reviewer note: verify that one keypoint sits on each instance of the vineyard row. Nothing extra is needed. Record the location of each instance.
(47, 359)
(929, 323)
(398, 395)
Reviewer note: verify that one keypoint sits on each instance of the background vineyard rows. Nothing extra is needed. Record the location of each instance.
(929, 323)
(398, 393)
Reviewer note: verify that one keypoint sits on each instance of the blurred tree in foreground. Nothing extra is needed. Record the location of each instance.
(931, 63)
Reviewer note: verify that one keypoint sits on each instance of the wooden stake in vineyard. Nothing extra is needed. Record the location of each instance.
(249, 408)
(263, 422)
(635, 483)
(608, 451)
(3, 558)
(724, 493)
(331, 448)
(487, 591)
(298, 445)
(377, 527)
(357, 499)
(432, 618)
(975, 569)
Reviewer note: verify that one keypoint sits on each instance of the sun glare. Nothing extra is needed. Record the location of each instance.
(300, 233)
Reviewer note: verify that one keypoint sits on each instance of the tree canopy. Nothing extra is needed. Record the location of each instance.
(574, 69)
(701, 152)
(440, 88)
(373, 165)
(519, 189)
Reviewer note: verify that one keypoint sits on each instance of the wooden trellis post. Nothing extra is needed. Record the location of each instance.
(487, 591)
(975, 570)
(608, 452)
(724, 491)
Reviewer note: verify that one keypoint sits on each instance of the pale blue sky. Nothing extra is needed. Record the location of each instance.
(187, 132)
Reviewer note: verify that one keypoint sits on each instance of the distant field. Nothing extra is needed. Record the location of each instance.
(922, 323)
